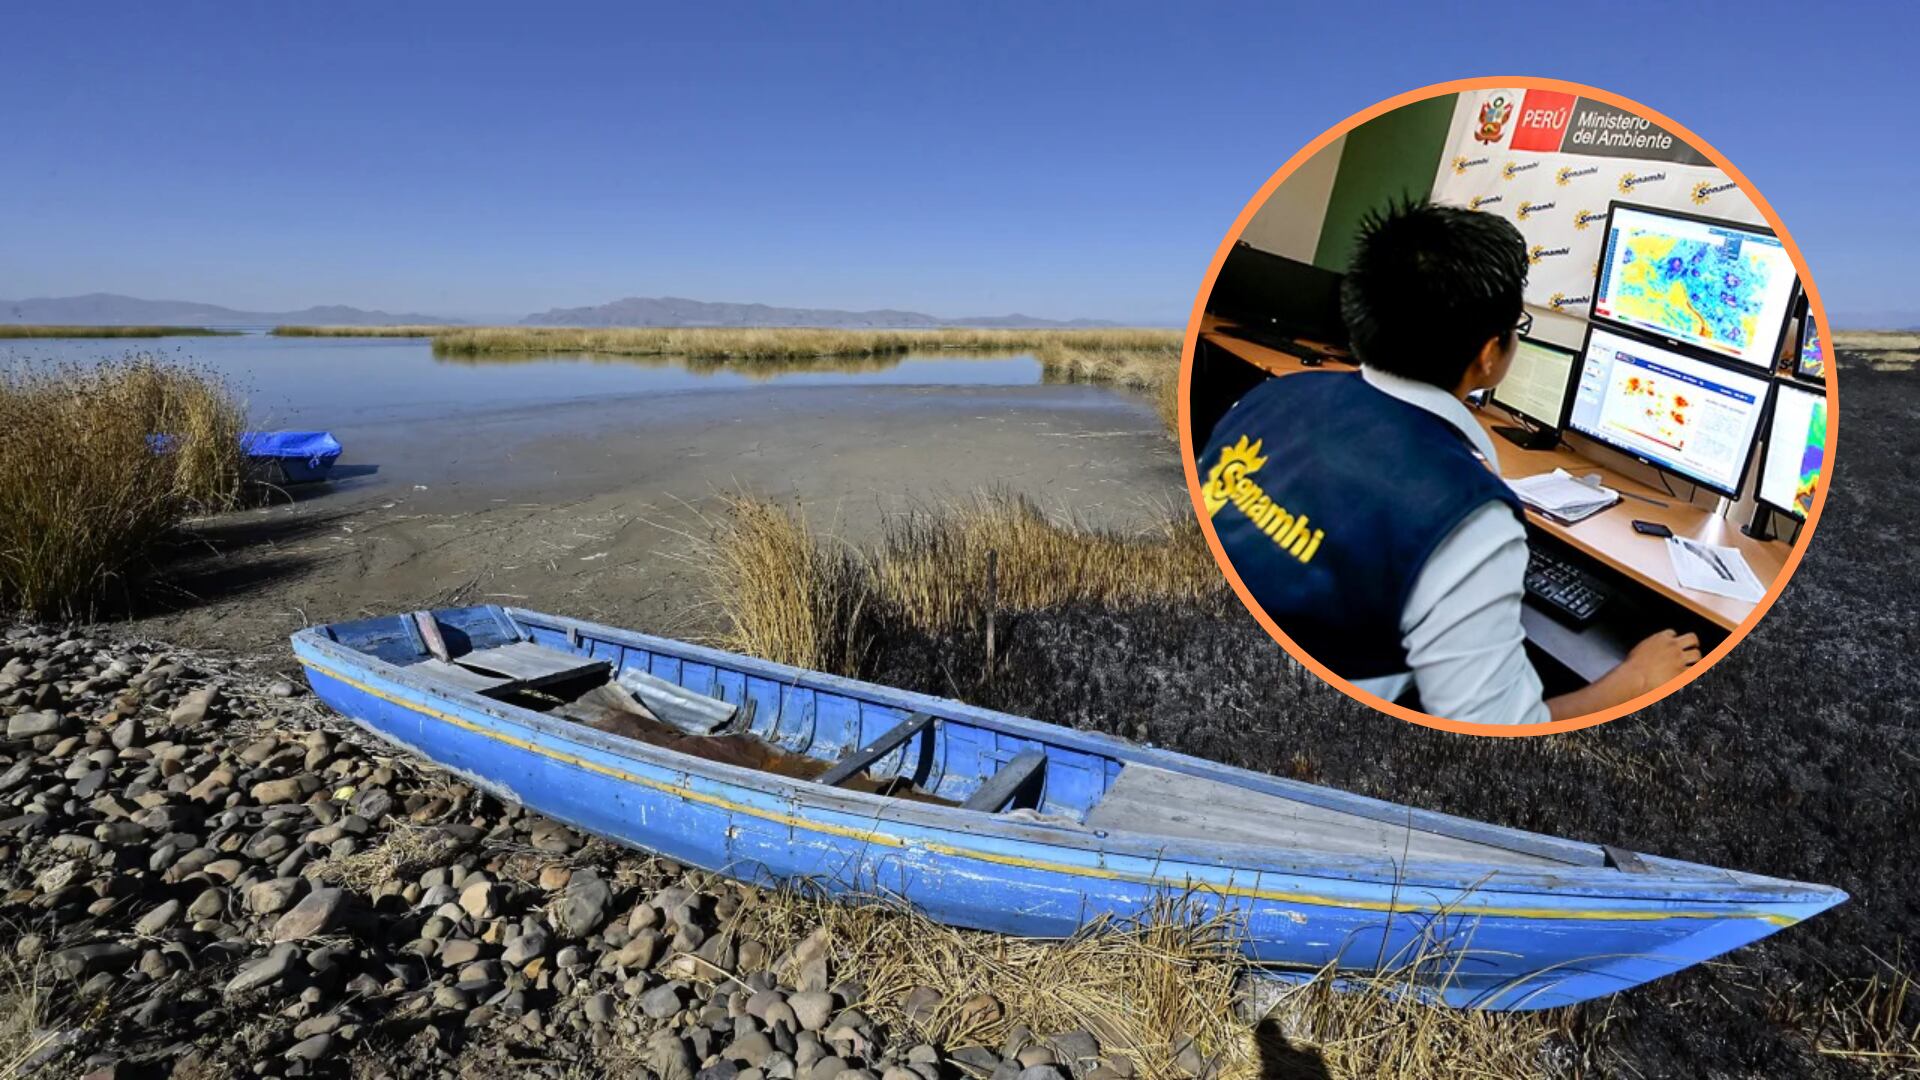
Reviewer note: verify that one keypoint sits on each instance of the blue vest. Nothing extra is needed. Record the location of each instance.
(1328, 496)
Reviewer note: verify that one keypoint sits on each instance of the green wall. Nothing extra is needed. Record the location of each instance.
(1392, 155)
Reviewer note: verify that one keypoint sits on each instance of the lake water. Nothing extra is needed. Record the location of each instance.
(295, 382)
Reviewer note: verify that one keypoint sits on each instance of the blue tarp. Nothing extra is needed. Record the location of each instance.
(302, 455)
(309, 446)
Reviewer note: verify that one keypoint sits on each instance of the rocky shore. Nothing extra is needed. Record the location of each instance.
(204, 873)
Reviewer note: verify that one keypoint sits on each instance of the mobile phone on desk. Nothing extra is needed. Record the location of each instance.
(1651, 528)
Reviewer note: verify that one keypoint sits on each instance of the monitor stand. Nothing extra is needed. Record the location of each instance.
(1760, 525)
(1529, 438)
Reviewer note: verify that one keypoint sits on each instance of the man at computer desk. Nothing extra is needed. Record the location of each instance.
(1361, 509)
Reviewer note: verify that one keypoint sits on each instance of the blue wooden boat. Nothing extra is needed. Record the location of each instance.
(980, 819)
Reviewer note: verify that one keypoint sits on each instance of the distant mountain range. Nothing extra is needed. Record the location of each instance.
(678, 311)
(1876, 320)
(110, 309)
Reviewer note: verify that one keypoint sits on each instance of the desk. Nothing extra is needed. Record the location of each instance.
(1607, 537)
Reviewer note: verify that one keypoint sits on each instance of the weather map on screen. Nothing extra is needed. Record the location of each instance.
(1717, 285)
(1796, 451)
(1813, 358)
(1694, 417)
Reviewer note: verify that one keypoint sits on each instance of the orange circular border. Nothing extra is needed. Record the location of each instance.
(1191, 465)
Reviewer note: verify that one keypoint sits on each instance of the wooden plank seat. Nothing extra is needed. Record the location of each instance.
(462, 679)
(858, 761)
(525, 665)
(1011, 780)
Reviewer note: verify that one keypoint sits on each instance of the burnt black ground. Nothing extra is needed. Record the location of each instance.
(1796, 756)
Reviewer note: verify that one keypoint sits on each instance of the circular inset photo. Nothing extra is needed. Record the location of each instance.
(1504, 406)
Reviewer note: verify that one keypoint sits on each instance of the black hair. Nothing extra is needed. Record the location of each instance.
(1429, 286)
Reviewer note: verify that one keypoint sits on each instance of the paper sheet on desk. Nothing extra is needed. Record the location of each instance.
(1560, 495)
(1715, 569)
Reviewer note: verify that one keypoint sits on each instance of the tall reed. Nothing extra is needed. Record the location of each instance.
(775, 343)
(96, 464)
(49, 331)
(414, 331)
(791, 595)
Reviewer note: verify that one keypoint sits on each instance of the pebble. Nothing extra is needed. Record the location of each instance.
(28, 725)
(267, 969)
(322, 910)
(158, 919)
(583, 906)
(193, 709)
(813, 1008)
(313, 1048)
(85, 961)
(274, 896)
(662, 1001)
(480, 900)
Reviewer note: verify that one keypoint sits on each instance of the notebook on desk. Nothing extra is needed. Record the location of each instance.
(1563, 497)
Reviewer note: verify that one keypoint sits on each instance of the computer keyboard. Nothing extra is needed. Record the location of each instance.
(1568, 591)
(1309, 353)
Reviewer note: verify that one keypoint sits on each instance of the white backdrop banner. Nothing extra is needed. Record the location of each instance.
(1550, 162)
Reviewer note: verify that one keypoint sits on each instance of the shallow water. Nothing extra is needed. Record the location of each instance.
(330, 382)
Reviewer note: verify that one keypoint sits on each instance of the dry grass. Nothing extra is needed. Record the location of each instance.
(1864, 1021)
(422, 331)
(1379, 1027)
(753, 367)
(1154, 368)
(790, 595)
(932, 566)
(1883, 350)
(1139, 987)
(19, 331)
(401, 854)
(24, 989)
(1869, 340)
(775, 343)
(83, 494)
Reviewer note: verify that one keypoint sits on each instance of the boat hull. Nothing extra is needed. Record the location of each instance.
(1495, 940)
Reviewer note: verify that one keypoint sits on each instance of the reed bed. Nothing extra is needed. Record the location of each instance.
(419, 331)
(758, 368)
(932, 566)
(1153, 368)
(19, 331)
(776, 343)
(788, 594)
(85, 493)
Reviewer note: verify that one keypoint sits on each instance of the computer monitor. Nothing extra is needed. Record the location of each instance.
(1535, 390)
(1691, 417)
(1278, 297)
(1796, 450)
(1810, 358)
(1699, 282)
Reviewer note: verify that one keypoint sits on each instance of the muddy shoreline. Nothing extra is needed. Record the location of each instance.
(592, 508)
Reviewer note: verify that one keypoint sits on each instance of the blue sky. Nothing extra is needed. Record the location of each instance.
(1070, 160)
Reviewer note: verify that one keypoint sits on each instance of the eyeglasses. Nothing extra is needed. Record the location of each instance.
(1526, 323)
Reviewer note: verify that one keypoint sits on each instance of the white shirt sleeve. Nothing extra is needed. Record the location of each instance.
(1461, 625)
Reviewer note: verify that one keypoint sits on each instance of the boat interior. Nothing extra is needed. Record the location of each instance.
(825, 732)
